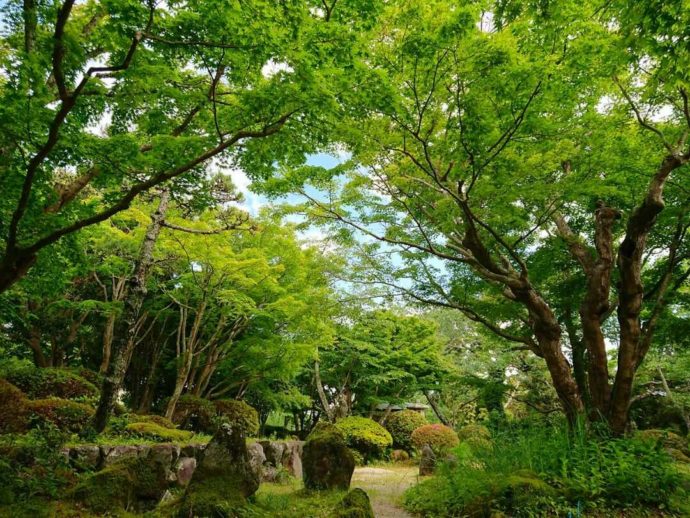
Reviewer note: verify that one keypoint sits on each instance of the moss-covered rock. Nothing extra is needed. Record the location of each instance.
(238, 413)
(195, 414)
(401, 425)
(154, 432)
(366, 436)
(356, 504)
(39, 383)
(14, 417)
(133, 484)
(65, 414)
(668, 440)
(327, 461)
(224, 478)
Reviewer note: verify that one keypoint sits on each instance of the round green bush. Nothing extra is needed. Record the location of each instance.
(151, 418)
(475, 436)
(366, 436)
(439, 437)
(155, 432)
(239, 414)
(14, 413)
(41, 383)
(194, 413)
(401, 425)
(65, 414)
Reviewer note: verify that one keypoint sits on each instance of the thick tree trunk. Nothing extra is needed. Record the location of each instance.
(126, 340)
(108, 332)
(12, 268)
(180, 381)
(322, 393)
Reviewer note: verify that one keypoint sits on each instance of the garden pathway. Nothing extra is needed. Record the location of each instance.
(385, 487)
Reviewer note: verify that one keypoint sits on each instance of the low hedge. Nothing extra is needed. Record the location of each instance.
(195, 414)
(155, 432)
(41, 383)
(239, 414)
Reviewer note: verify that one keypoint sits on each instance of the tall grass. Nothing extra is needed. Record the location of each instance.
(538, 470)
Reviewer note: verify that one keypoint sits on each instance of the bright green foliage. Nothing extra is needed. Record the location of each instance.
(438, 437)
(366, 436)
(158, 420)
(195, 414)
(239, 413)
(65, 414)
(401, 425)
(39, 383)
(158, 433)
(538, 471)
(14, 414)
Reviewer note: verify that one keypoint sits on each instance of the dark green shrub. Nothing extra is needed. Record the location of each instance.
(40, 383)
(195, 414)
(239, 414)
(366, 436)
(401, 425)
(14, 411)
(440, 438)
(65, 414)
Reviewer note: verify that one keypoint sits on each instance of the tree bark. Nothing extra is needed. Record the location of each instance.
(434, 406)
(322, 393)
(126, 339)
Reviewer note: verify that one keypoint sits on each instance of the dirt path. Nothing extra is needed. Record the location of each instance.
(385, 487)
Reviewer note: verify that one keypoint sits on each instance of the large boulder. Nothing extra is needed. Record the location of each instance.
(327, 461)
(257, 458)
(427, 462)
(131, 484)
(85, 457)
(356, 504)
(224, 477)
(183, 470)
(273, 450)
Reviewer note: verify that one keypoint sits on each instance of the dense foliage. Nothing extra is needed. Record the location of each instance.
(366, 436)
(401, 425)
(441, 439)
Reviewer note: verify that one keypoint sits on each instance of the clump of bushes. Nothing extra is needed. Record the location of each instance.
(545, 471)
(194, 413)
(65, 414)
(151, 418)
(365, 436)
(14, 414)
(401, 425)
(440, 438)
(239, 414)
(40, 383)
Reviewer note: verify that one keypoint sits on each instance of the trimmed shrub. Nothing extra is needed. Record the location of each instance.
(65, 414)
(239, 413)
(475, 436)
(158, 433)
(356, 504)
(14, 413)
(41, 383)
(365, 436)
(440, 438)
(401, 425)
(195, 414)
(151, 418)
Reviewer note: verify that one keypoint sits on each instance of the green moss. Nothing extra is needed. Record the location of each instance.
(401, 425)
(324, 430)
(217, 496)
(356, 504)
(121, 486)
(157, 433)
(239, 413)
(366, 436)
(152, 418)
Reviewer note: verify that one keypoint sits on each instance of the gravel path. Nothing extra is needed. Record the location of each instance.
(385, 487)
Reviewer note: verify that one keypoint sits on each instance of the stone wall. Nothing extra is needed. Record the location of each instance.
(269, 458)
